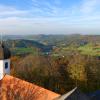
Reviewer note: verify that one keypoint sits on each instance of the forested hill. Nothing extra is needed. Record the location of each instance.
(65, 39)
(57, 39)
(22, 43)
(59, 45)
(51, 39)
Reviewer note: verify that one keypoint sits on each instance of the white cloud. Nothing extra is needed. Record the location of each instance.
(15, 25)
(51, 9)
(46, 17)
(24, 26)
(89, 6)
(8, 11)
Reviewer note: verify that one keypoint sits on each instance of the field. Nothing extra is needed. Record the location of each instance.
(22, 51)
(90, 50)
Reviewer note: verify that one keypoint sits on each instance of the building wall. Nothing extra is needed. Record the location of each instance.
(4, 70)
(1, 69)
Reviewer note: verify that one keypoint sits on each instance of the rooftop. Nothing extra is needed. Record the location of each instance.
(13, 88)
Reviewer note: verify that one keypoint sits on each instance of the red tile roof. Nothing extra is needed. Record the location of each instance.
(12, 88)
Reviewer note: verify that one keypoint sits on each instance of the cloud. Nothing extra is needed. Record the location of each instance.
(8, 11)
(51, 8)
(50, 16)
(56, 8)
(25, 26)
(47, 25)
(89, 6)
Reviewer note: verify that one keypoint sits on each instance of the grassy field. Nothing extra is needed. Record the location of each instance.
(18, 51)
(90, 50)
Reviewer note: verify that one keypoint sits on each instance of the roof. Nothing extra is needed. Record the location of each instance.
(4, 52)
(12, 88)
(75, 94)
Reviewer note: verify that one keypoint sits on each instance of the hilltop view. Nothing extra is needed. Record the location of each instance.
(49, 50)
(57, 59)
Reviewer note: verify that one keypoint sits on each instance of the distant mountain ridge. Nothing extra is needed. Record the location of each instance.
(65, 39)
(22, 43)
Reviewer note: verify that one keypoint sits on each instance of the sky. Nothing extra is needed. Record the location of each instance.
(49, 17)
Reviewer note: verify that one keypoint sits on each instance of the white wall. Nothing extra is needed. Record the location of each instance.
(4, 71)
(1, 69)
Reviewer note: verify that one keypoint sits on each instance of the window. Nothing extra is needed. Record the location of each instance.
(6, 65)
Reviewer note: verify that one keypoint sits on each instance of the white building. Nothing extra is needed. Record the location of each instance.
(4, 60)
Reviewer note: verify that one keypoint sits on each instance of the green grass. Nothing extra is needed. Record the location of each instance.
(18, 51)
(90, 50)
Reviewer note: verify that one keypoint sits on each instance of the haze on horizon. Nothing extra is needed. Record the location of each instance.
(49, 16)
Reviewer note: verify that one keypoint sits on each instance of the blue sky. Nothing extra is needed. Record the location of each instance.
(49, 16)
